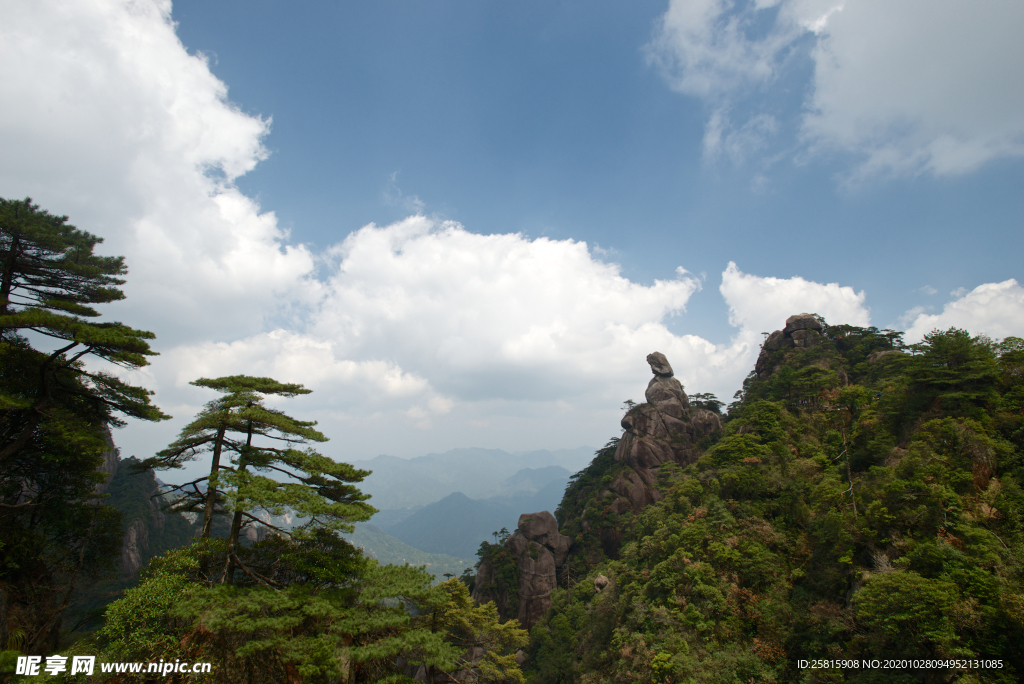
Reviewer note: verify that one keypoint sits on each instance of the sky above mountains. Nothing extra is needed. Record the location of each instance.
(467, 223)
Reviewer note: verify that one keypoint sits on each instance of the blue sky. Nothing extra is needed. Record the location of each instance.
(466, 223)
(547, 119)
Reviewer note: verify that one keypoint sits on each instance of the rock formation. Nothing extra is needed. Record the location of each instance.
(539, 550)
(665, 429)
(111, 459)
(801, 331)
(135, 544)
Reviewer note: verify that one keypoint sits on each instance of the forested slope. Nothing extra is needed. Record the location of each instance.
(863, 501)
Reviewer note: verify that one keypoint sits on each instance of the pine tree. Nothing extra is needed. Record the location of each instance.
(484, 644)
(49, 280)
(314, 487)
(55, 413)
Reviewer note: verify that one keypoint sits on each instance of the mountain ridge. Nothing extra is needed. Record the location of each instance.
(396, 483)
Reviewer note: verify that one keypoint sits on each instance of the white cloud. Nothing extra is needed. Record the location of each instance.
(426, 327)
(995, 309)
(105, 117)
(722, 137)
(475, 307)
(462, 317)
(908, 87)
(299, 358)
(704, 48)
(421, 335)
(763, 304)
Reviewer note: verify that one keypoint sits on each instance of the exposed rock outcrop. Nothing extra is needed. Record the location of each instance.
(879, 356)
(538, 550)
(145, 530)
(802, 330)
(665, 429)
(111, 459)
(136, 542)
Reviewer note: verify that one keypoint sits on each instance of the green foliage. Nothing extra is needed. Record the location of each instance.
(49, 280)
(318, 490)
(451, 612)
(55, 411)
(144, 623)
(908, 616)
(500, 579)
(584, 499)
(707, 401)
(756, 557)
(335, 617)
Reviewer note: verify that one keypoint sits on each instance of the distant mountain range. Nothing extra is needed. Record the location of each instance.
(457, 524)
(390, 551)
(435, 510)
(399, 483)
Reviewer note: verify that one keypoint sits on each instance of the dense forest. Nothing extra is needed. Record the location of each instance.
(861, 502)
(854, 515)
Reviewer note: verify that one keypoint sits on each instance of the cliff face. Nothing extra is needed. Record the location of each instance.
(538, 551)
(665, 429)
(111, 459)
(135, 544)
(801, 331)
(149, 531)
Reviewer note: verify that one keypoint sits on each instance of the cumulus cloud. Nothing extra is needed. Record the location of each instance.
(995, 309)
(907, 87)
(418, 335)
(538, 315)
(427, 312)
(105, 117)
(424, 317)
(761, 304)
(300, 358)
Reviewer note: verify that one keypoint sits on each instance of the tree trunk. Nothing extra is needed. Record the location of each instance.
(211, 484)
(8, 279)
(236, 523)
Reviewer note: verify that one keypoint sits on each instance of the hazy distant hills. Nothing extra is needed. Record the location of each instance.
(390, 551)
(457, 524)
(398, 483)
(436, 509)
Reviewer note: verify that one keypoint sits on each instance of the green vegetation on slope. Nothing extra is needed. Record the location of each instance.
(300, 605)
(130, 493)
(762, 553)
(55, 410)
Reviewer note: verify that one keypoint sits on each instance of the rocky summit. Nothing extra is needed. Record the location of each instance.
(664, 429)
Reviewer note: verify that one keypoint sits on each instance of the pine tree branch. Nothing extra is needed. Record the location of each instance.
(263, 522)
(262, 580)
